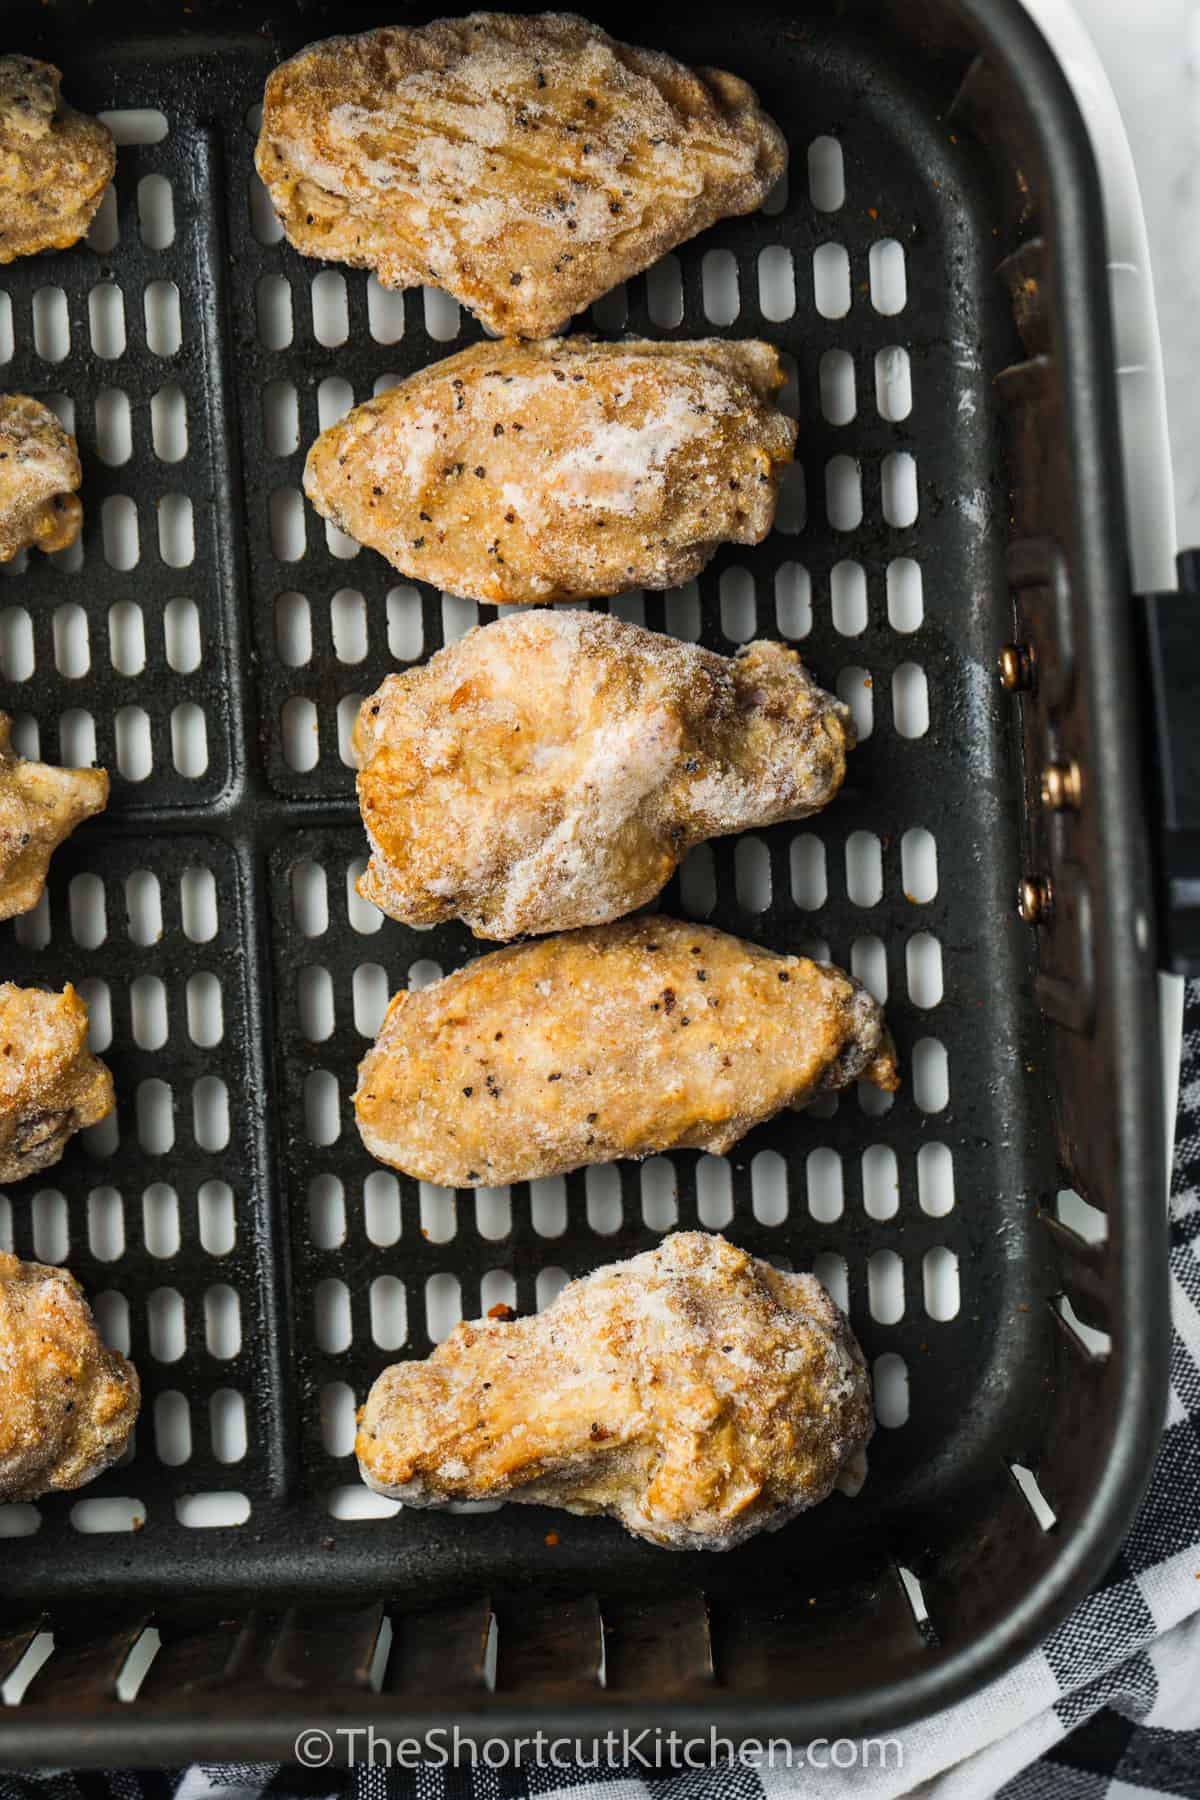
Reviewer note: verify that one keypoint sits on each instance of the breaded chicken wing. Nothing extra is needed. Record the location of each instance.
(55, 163)
(619, 1041)
(561, 470)
(527, 164)
(39, 807)
(694, 1393)
(51, 1086)
(552, 769)
(39, 470)
(67, 1404)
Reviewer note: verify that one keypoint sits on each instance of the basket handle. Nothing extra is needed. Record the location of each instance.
(1170, 647)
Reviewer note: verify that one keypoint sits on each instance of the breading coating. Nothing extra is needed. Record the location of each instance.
(622, 1040)
(564, 470)
(552, 769)
(67, 1404)
(526, 164)
(694, 1393)
(55, 163)
(39, 807)
(39, 471)
(51, 1086)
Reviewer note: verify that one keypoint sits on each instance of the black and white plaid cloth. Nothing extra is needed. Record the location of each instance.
(1107, 1709)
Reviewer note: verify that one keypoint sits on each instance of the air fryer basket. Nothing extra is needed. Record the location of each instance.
(243, 1246)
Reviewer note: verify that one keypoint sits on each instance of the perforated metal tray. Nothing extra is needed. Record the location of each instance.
(240, 1243)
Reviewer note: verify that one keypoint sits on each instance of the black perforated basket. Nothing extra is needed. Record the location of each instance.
(935, 271)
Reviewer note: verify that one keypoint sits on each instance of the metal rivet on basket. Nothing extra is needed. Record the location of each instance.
(1062, 786)
(1035, 899)
(1015, 663)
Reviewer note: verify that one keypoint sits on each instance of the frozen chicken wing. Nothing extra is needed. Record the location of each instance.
(51, 1086)
(622, 1040)
(527, 164)
(561, 470)
(67, 1404)
(552, 769)
(39, 807)
(39, 471)
(55, 163)
(694, 1393)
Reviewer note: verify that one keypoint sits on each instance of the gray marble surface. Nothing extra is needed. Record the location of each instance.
(1151, 52)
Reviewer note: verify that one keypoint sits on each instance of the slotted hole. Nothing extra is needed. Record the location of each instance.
(880, 1182)
(868, 964)
(389, 1312)
(493, 1212)
(843, 493)
(458, 617)
(155, 1116)
(752, 874)
(265, 223)
(358, 1502)
(776, 283)
(222, 1321)
(326, 1212)
(172, 1428)
(664, 292)
(204, 1014)
(441, 315)
(337, 1418)
(698, 882)
(910, 700)
(198, 904)
(364, 916)
(176, 530)
(856, 690)
(923, 968)
(836, 382)
(143, 907)
(348, 623)
(738, 610)
(280, 417)
(719, 285)
(335, 397)
(330, 310)
(935, 1180)
(370, 997)
(51, 325)
(347, 717)
(682, 608)
(823, 1179)
(405, 631)
(331, 1314)
(864, 868)
(826, 174)
(497, 1288)
(293, 629)
(930, 1075)
(1093, 1340)
(660, 1195)
(939, 1276)
(181, 635)
(893, 383)
(714, 1192)
(18, 1520)
(114, 427)
(166, 1327)
(830, 1270)
(51, 1242)
(217, 1217)
(98, 1000)
(77, 738)
(769, 1188)
(86, 906)
(905, 595)
(381, 1207)
(301, 746)
(104, 232)
(115, 1513)
(72, 653)
(189, 740)
(385, 312)
(439, 1213)
(314, 995)
(1037, 1502)
(602, 1184)
(168, 424)
(148, 1011)
(321, 1112)
(164, 324)
(227, 1425)
(126, 638)
(156, 212)
(443, 1305)
(106, 320)
(212, 1511)
(273, 298)
(119, 532)
(899, 484)
(112, 1320)
(310, 898)
(136, 125)
(106, 1224)
(918, 865)
(807, 859)
(630, 607)
(788, 397)
(1079, 1216)
(885, 1287)
(888, 280)
(17, 656)
(548, 1286)
(848, 598)
(890, 1381)
(831, 280)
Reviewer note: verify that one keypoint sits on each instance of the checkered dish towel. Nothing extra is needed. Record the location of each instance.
(1107, 1709)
